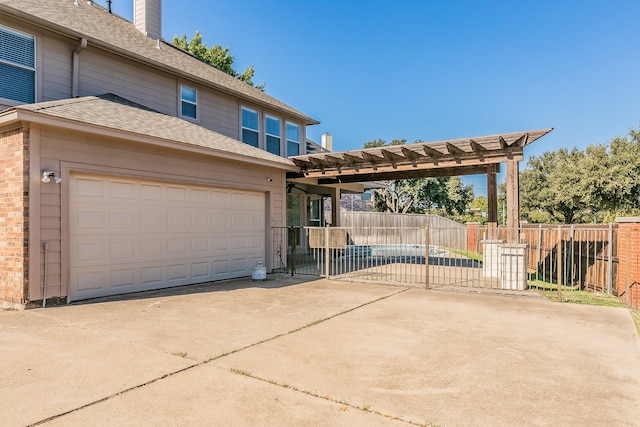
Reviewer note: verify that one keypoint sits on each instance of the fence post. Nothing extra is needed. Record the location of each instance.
(627, 297)
(291, 235)
(326, 252)
(559, 261)
(426, 257)
(610, 260)
(539, 251)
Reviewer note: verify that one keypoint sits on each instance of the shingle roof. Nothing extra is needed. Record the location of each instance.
(112, 32)
(112, 112)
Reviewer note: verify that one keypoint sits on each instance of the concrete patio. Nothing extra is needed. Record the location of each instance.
(290, 352)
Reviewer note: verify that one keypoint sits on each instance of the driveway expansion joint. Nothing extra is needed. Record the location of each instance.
(203, 362)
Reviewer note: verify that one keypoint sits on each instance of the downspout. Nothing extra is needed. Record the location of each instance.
(76, 67)
(44, 280)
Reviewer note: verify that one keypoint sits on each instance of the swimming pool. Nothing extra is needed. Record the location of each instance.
(391, 251)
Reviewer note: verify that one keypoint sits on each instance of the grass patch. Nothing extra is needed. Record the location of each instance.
(475, 256)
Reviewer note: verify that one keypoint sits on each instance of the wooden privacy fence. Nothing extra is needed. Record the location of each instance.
(582, 257)
(387, 225)
(600, 258)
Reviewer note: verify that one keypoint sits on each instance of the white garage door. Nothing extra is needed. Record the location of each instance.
(129, 235)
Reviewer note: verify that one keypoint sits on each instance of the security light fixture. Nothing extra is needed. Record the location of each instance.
(47, 175)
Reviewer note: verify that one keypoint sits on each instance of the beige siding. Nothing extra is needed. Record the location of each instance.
(101, 73)
(56, 68)
(67, 151)
(219, 112)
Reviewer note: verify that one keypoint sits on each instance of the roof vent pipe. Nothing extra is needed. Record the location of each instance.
(109, 6)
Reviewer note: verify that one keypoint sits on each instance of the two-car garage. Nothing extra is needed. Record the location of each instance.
(128, 234)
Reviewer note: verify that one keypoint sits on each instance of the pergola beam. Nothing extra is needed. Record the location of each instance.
(382, 166)
(406, 174)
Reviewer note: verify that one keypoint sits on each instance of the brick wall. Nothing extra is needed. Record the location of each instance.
(629, 256)
(14, 210)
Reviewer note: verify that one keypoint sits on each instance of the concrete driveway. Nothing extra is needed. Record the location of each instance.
(285, 352)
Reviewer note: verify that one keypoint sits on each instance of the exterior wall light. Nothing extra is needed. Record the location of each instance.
(47, 175)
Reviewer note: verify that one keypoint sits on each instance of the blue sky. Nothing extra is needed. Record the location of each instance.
(434, 69)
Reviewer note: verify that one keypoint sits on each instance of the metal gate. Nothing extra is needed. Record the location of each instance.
(418, 256)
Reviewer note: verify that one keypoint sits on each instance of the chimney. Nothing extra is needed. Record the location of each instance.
(147, 17)
(327, 141)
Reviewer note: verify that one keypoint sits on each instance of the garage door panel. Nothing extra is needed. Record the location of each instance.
(88, 188)
(221, 268)
(123, 248)
(200, 220)
(256, 242)
(150, 192)
(123, 278)
(150, 220)
(89, 250)
(177, 272)
(176, 246)
(123, 219)
(90, 218)
(129, 235)
(88, 279)
(200, 245)
(122, 190)
(176, 194)
(176, 220)
(220, 220)
(152, 274)
(200, 270)
(150, 247)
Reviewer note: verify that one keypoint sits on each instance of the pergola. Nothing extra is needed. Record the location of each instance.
(466, 156)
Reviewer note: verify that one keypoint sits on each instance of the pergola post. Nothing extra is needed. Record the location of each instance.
(335, 207)
(513, 201)
(492, 194)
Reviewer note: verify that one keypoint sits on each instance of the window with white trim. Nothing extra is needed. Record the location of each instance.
(250, 127)
(293, 139)
(272, 131)
(17, 66)
(188, 102)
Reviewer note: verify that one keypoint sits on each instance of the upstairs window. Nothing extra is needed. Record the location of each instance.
(293, 139)
(250, 129)
(188, 102)
(17, 66)
(273, 134)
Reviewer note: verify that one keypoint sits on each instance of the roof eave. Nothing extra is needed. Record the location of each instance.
(15, 115)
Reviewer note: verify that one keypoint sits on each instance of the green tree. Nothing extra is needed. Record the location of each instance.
(598, 183)
(447, 196)
(554, 183)
(217, 56)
